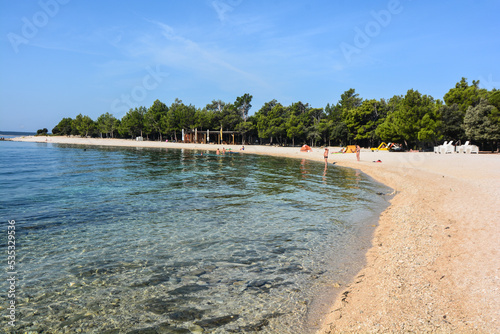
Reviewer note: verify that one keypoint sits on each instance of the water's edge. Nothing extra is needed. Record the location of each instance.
(321, 305)
(352, 259)
(324, 302)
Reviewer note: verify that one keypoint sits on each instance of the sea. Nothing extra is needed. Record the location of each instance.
(137, 240)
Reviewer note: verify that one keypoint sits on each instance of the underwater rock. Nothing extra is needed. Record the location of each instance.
(161, 306)
(164, 306)
(257, 283)
(155, 280)
(163, 328)
(188, 289)
(197, 272)
(149, 330)
(278, 250)
(252, 328)
(217, 322)
(71, 320)
(257, 327)
(111, 331)
(166, 328)
(290, 269)
(189, 314)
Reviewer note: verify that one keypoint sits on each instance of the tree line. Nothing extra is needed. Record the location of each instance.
(413, 120)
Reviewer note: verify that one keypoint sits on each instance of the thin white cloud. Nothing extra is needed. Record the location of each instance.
(188, 54)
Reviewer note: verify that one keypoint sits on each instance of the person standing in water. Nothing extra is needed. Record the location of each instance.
(325, 155)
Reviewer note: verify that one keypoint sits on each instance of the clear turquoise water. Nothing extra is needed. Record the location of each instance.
(171, 241)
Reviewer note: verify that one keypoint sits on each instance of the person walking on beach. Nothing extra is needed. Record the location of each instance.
(358, 151)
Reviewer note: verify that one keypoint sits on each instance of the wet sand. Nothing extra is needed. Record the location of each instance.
(434, 263)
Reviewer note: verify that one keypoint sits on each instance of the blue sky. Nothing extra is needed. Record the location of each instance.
(60, 58)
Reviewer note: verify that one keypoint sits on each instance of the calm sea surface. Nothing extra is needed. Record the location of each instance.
(117, 240)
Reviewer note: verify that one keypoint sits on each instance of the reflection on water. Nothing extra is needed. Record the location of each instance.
(173, 241)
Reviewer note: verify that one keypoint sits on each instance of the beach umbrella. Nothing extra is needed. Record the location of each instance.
(305, 148)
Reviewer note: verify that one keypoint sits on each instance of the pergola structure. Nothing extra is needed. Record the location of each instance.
(211, 136)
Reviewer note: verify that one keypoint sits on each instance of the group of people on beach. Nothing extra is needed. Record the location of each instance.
(224, 150)
(218, 151)
(325, 154)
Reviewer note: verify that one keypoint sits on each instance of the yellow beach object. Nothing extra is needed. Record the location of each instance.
(381, 147)
(350, 149)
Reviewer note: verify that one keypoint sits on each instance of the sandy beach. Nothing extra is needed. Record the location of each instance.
(434, 263)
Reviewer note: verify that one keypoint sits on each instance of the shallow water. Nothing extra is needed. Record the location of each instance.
(141, 240)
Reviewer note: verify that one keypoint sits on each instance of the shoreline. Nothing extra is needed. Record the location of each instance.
(434, 261)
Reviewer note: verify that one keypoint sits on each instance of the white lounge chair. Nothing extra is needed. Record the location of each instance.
(437, 149)
(461, 148)
(448, 148)
(471, 149)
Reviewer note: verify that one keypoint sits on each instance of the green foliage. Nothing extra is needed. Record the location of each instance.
(155, 119)
(316, 128)
(465, 96)
(299, 122)
(389, 130)
(42, 132)
(340, 133)
(226, 115)
(247, 128)
(106, 124)
(179, 117)
(230, 117)
(420, 113)
(452, 120)
(349, 100)
(64, 127)
(428, 129)
(418, 120)
(84, 125)
(412, 119)
(364, 120)
(243, 105)
(271, 121)
(345, 128)
(325, 129)
(132, 123)
(295, 127)
(482, 122)
(204, 119)
(494, 98)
